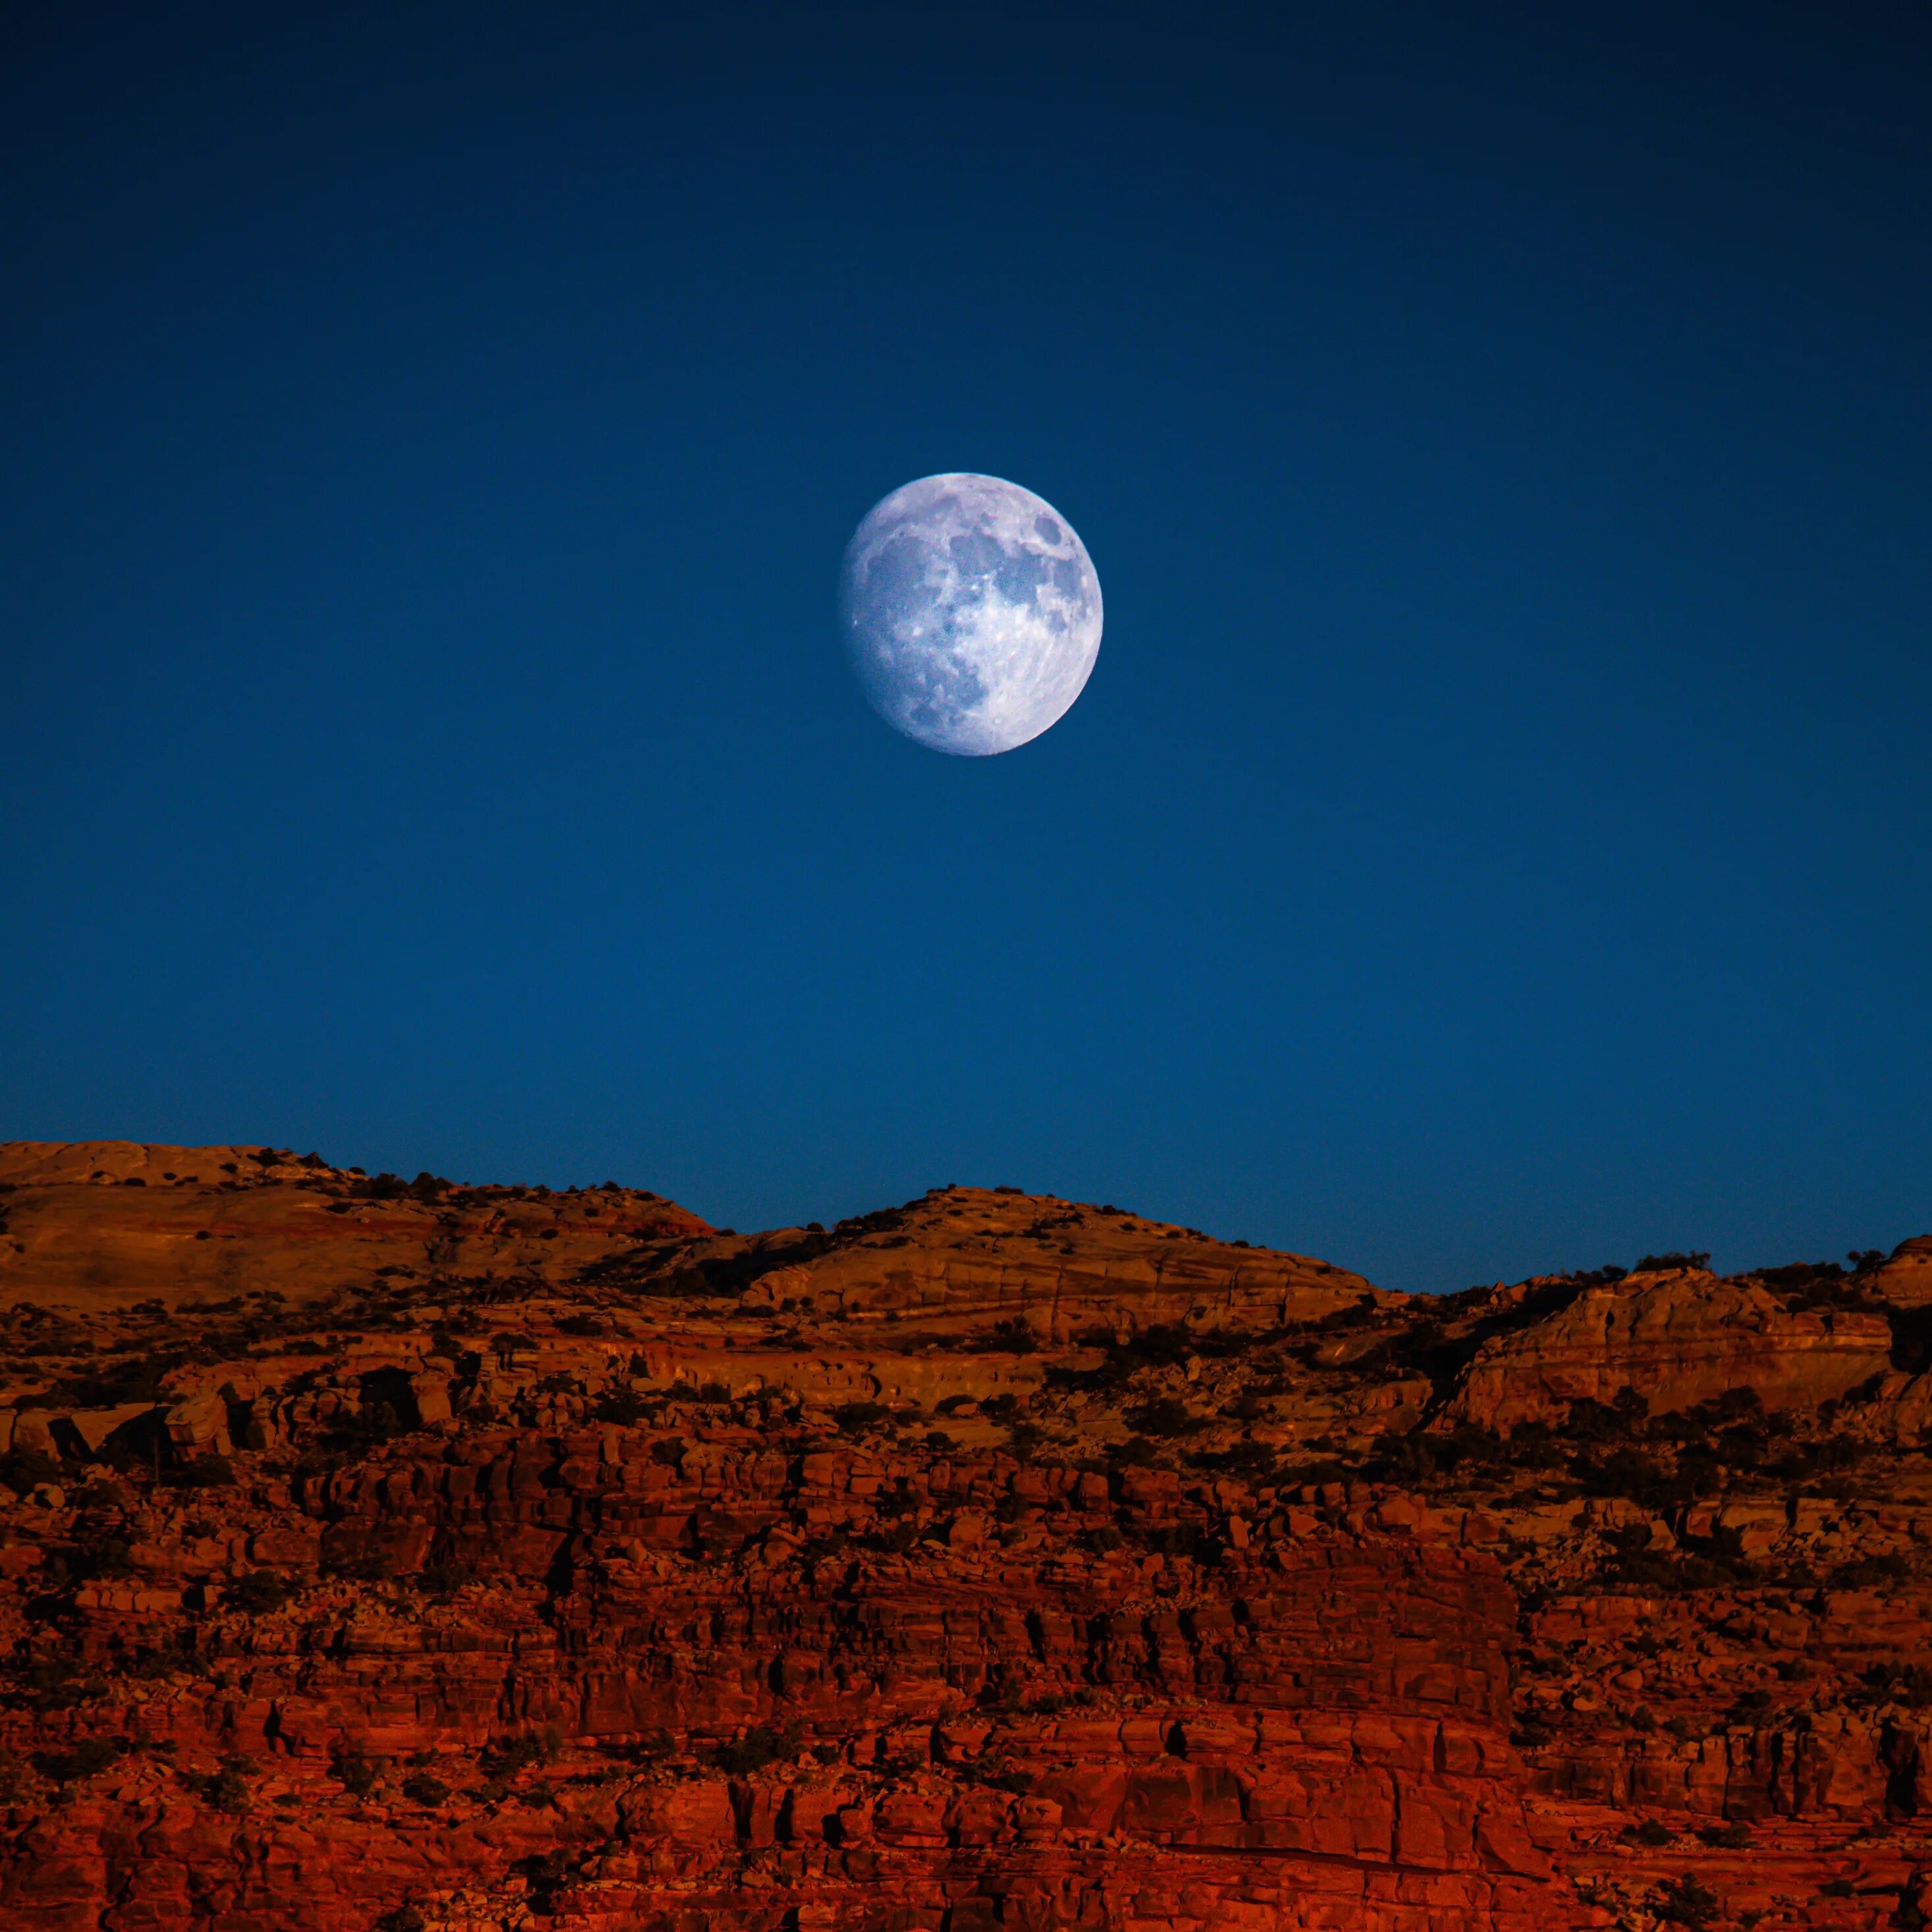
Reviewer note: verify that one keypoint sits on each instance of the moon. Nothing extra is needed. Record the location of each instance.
(971, 613)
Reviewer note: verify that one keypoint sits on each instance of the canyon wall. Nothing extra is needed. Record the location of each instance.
(416, 1556)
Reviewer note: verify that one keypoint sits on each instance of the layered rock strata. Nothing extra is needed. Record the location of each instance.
(446, 1557)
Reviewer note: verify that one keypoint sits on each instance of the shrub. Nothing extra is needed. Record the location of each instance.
(227, 1788)
(1871, 1573)
(1243, 1458)
(207, 1471)
(624, 1406)
(255, 1593)
(1164, 1418)
(1726, 1837)
(422, 1787)
(758, 1747)
(23, 1470)
(88, 1759)
(352, 1771)
(503, 1758)
(1910, 1685)
(1685, 1902)
(1650, 1832)
(442, 1580)
(547, 1874)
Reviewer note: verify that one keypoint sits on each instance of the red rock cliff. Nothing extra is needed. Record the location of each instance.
(427, 1557)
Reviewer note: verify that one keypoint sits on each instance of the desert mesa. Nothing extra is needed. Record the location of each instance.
(419, 1556)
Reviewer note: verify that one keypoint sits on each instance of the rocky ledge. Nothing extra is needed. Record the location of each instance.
(431, 1557)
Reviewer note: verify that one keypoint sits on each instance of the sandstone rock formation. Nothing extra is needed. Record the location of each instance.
(1678, 1337)
(441, 1557)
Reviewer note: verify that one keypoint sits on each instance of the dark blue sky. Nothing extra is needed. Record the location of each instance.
(1495, 837)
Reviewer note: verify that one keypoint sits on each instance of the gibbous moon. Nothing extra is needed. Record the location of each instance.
(971, 613)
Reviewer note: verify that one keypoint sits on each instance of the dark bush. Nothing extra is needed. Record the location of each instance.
(1684, 1901)
(70, 1563)
(422, 1787)
(758, 1747)
(1194, 1541)
(442, 1580)
(256, 1593)
(1908, 1684)
(207, 1471)
(623, 1406)
(137, 1379)
(1650, 1833)
(1716, 1564)
(22, 1469)
(87, 1759)
(1590, 1420)
(1164, 1418)
(548, 1874)
(1871, 1573)
(353, 1771)
(503, 1758)
(227, 1788)
(1242, 1459)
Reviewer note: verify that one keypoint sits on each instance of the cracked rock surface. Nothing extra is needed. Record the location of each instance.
(419, 1556)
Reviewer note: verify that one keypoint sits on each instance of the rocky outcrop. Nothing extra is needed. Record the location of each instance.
(100, 1224)
(1905, 1279)
(1677, 1339)
(989, 1561)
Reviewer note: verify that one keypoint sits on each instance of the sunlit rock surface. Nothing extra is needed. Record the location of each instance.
(409, 1555)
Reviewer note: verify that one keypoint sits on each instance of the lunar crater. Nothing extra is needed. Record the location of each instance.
(971, 613)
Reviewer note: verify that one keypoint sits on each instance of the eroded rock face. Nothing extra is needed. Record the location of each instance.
(1906, 1279)
(109, 1224)
(1678, 1338)
(990, 1561)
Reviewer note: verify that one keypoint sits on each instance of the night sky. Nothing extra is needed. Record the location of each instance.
(1495, 838)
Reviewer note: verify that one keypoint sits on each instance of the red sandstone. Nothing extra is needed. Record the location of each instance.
(457, 1557)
